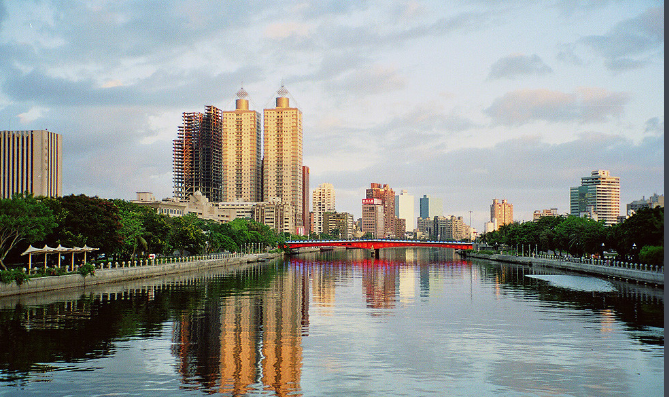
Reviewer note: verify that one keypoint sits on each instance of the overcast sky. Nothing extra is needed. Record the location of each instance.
(464, 100)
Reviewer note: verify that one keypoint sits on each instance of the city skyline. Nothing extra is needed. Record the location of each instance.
(463, 101)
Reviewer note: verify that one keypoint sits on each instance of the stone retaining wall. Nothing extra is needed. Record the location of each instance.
(112, 275)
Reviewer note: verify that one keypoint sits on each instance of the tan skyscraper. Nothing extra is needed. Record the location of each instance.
(597, 197)
(323, 201)
(502, 212)
(242, 172)
(387, 196)
(282, 162)
(31, 161)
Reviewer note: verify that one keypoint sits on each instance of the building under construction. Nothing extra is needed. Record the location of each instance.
(197, 155)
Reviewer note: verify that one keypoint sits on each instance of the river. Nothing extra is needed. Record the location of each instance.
(415, 322)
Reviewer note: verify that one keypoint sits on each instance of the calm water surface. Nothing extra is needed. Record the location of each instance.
(416, 322)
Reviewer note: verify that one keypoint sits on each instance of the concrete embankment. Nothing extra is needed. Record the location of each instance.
(630, 272)
(114, 275)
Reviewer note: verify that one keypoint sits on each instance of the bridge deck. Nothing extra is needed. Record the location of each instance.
(377, 244)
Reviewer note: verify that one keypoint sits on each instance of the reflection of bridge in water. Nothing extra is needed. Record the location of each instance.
(375, 245)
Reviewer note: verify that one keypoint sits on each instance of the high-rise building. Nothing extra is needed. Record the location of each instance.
(387, 197)
(450, 228)
(338, 224)
(373, 217)
(275, 214)
(323, 199)
(31, 161)
(241, 150)
(197, 157)
(597, 197)
(431, 207)
(653, 201)
(502, 212)
(282, 161)
(306, 216)
(404, 209)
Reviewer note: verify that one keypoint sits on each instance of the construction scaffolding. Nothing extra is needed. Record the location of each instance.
(197, 155)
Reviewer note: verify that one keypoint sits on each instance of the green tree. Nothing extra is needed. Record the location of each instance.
(186, 235)
(22, 217)
(652, 255)
(87, 220)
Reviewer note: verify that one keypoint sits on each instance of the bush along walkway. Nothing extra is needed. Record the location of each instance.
(640, 273)
(18, 282)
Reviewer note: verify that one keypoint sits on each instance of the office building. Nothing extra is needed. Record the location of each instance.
(306, 214)
(598, 197)
(431, 207)
(241, 150)
(197, 159)
(323, 199)
(282, 161)
(276, 214)
(400, 228)
(199, 205)
(404, 209)
(373, 215)
(450, 228)
(339, 224)
(387, 197)
(538, 214)
(652, 202)
(31, 161)
(502, 212)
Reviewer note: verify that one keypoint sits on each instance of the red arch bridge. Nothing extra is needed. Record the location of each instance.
(374, 245)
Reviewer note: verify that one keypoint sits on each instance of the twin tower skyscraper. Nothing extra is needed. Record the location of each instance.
(219, 154)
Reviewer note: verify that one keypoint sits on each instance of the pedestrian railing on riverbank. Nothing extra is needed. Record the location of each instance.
(165, 260)
(605, 262)
(607, 267)
(110, 264)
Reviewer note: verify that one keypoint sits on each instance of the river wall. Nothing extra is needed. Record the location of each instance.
(120, 274)
(618, 270)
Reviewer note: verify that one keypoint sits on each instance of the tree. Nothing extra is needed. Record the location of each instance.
(185, 235)
(22, 217)
(87, 220)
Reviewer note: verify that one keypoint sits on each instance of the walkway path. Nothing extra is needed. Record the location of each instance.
(620, 270)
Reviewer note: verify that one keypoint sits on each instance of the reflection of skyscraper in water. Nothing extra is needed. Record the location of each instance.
(255, 343)
(379, 282)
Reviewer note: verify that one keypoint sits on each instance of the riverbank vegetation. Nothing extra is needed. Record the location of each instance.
(121, 230)
(639, 238)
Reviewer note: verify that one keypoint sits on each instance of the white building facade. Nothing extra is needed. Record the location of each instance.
(323, 199)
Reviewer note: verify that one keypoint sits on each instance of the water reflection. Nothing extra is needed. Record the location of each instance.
(414, 319)
(246, 342)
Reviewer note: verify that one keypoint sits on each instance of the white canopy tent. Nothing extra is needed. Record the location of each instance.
(58, 250)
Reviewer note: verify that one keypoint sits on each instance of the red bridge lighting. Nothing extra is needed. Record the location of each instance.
(376, 244)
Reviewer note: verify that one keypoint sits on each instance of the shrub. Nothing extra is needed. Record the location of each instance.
(86, 269)
(7, 276)
(652, 255)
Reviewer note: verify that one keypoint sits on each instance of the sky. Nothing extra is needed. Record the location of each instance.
(465, 100)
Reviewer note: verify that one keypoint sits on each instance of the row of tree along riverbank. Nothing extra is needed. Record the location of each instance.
(640, 273)
(113, 273)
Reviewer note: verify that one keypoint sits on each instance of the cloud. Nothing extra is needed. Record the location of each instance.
(583, 106)
(655, 126)
(284, 30)
(516, 65)
(639, 36)
(528, 171)
(369, 81)
(33, 114)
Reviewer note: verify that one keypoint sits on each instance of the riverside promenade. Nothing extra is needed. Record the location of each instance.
(636, 272)
(131, 271)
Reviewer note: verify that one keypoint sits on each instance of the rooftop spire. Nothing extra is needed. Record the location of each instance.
(242, 94)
